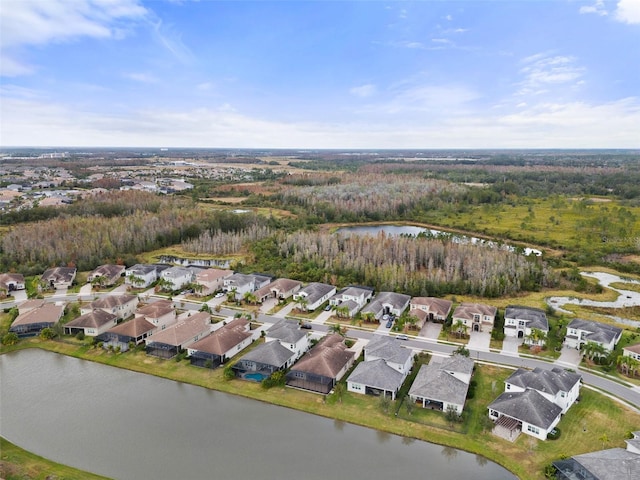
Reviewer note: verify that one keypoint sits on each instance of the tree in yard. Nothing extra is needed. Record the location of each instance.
(337, 328)
(342, 311)
(47, 333)
(136, 281)
(231, 295)
(460, 328)
(627, 365)
(338, 391)
(385, 403)
(408, 404)
(592, 350)
(536, 336)
(10, 338)
(302, 304)
(451, 414)
(250, 297)
(462, 350)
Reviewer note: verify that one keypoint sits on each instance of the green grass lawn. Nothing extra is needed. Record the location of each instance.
(18, 464)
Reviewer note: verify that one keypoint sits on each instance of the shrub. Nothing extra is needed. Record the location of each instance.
(10, 338)
(554, 434)
(47, 333)
(80, 335)
(228, 373)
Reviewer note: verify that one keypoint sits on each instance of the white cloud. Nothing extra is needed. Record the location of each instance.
(546, 125)
(541, 71)
(363, 91)
(39, 22)
(141, 77)
(598, 8)
(628, 11)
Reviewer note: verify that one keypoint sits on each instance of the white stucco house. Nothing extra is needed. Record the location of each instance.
(580, 332)
(314, 295)
(177, 277)
(520, 322)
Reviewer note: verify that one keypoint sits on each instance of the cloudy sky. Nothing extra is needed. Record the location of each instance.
(320, 74)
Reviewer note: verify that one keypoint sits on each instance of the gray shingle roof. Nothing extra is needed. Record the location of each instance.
(315, 291)
(434, 383)
(287, 331)
(548, 381)
(457, 363)
(387, 348)
(599, 332)
(270, 353)
(534, 317)
(528, 406)
(397, 301)
(377, 374)
(611, 464)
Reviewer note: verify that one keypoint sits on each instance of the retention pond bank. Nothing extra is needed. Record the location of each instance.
(128, 425)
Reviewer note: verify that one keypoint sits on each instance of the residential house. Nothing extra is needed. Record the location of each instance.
(122, 306)
(58, 277)
(211, 280)
(391, 351)
(322, 366)
(386, 364)
(176, 278)
(534, 401)
(429, 309)
(314, 295)
(282, 288)
(375, 378)
(177, 337)
(160, 313)
(610, 464)
(30, 304)
(290, 335)
(520, 322)
(106, 275)
(443, 386)
(10, 282)
(476, 317)
(580, 332)
(218, 347)
(557, 385)
(350, 300)
(262, 361)
(525, 411)
(33, 321)
(134, 331)
(385, 303)
(241, 283)
(140, 275)
(91, 324)
(632, 351)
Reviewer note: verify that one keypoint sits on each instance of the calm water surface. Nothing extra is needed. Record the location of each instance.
(128, 425)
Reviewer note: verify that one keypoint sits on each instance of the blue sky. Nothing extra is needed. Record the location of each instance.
(320, 74)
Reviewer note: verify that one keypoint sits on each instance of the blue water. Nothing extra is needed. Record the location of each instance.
(256, 377)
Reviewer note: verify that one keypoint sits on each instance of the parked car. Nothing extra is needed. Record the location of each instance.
(327, 308)
(306, 326)
(402, 337)
(389, 323)
(219, 294)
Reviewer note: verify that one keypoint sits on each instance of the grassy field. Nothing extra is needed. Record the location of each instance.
(525, 457)
(18, 464)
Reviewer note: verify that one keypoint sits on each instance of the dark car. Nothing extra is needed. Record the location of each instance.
(389, 323)
(306, 326)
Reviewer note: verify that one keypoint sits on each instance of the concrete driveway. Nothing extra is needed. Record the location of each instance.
(283, 312)
(268, 305)
(510, 346)
(479, 341)
(569, 357)
(19, 296)
(431, 330)
(323, 317)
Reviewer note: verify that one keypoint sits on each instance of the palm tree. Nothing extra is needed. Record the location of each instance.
(303, 303)
(337, 328)
(536, 336)
(250, 297)
(460, 328)
(592, 350)
(231, 295)
(136, 281)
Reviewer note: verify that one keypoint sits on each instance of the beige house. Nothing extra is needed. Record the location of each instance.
(160, 314)
(122, 306)
(477, 317)
(91, 323)
(429, 309)
(282, 288)
(175, 338)
(106, 275)
(35, 320)
(211, 280)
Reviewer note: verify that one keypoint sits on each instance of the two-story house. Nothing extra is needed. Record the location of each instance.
(520, 322)
(429, 309)
(580, 332)
(477, 317)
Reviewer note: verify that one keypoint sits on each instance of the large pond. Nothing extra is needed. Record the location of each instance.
(128, 425)
(414, 231)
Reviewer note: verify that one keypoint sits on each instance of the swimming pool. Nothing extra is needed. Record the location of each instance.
(255, 377)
